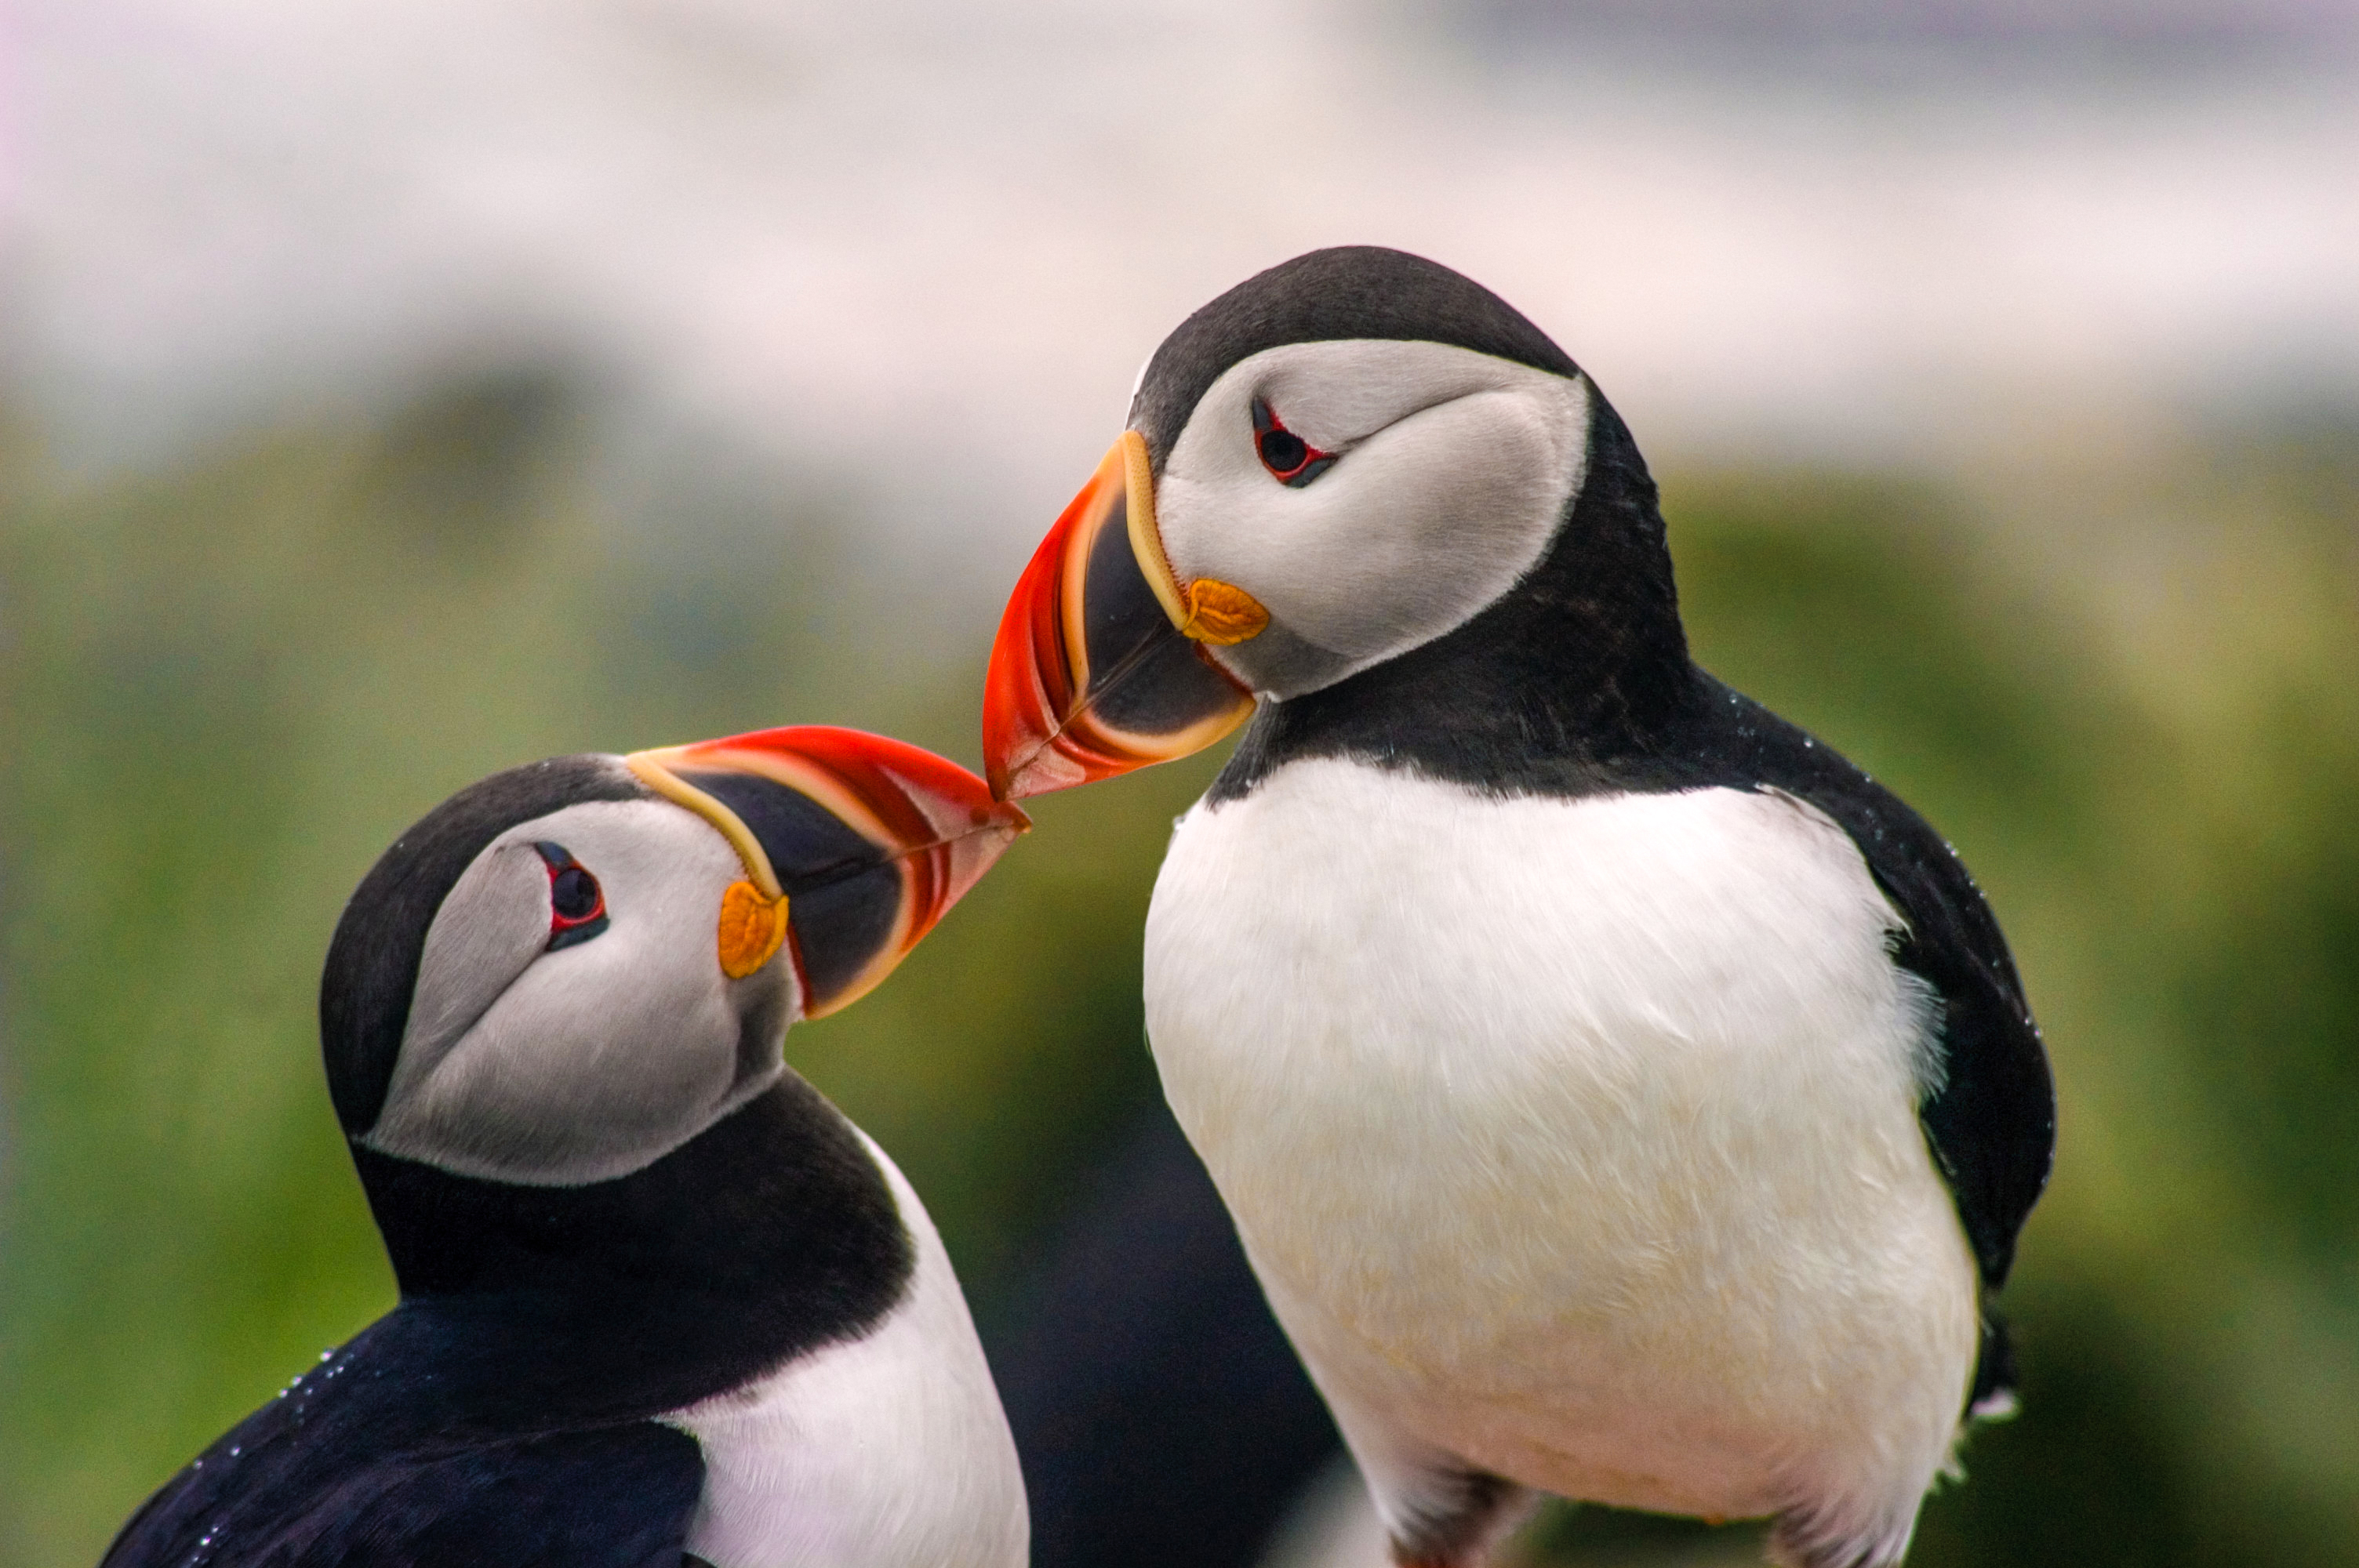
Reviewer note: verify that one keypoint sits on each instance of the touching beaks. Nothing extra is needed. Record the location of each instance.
(854, 846)
(1099, 666)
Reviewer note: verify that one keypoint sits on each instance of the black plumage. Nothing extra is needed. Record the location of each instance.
(369, 1460)
(507, 1402)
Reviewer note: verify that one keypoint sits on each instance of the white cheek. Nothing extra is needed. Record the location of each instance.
(1415, 531)
(597, 1054)
(492, 926)
(1455, 470)
(600, 1057)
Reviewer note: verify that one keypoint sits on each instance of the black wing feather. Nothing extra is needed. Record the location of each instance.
(616, 1498)
(362, 1464)
(1990, 1123)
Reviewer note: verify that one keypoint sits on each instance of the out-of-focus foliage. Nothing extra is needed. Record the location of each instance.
(2128, 689)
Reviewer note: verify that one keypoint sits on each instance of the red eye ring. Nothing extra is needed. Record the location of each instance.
(1291, 461)
(577, 905)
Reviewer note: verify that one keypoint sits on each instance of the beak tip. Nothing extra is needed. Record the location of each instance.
(1044, 772)
(1020, 757)
(1001, 816)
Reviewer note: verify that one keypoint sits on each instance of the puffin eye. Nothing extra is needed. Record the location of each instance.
(577, 906)
(1291, 459)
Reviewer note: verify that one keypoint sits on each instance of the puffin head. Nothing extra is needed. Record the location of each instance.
(1339, 460)
(569, 970)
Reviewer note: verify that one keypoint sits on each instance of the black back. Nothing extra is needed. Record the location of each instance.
(339, 1472)
(1577, 682)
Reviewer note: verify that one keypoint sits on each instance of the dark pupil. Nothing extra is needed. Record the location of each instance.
(573, 893)
(1283, 450)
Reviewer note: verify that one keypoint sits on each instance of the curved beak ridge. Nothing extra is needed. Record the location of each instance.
(1092, 674)
(864, 842)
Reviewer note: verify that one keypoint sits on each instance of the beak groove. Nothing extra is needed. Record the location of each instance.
(867, 841)
(1098, 666)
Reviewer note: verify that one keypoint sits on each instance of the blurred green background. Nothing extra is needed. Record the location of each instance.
(2122, 674)
(395, 391)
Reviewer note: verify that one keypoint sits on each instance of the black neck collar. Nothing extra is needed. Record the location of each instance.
(769, 1234)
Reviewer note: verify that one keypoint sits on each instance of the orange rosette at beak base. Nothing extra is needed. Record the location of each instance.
(853, 845)
(1099, 666)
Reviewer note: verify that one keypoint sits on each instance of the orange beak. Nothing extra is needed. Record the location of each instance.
(1100, 664)
(853, 845)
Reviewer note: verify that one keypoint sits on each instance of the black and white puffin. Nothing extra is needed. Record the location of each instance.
(660, 1301)
(1618, 1094)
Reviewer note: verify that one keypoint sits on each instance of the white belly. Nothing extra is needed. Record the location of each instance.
(888, 1452)
(1574, 1140)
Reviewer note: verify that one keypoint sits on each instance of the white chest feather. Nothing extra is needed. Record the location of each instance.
(888, 1452)
(1575, 1140)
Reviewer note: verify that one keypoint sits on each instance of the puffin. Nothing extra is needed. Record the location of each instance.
(1618, 1094)
(660, 1303)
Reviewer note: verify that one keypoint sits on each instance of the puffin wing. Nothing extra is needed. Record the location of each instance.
(360, 1464)
(615, 1498)
(1991, 1119)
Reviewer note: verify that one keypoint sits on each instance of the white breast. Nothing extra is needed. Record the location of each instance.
(888, 1452)
(1575, 1140)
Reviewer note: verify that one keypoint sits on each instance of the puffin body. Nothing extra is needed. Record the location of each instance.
(660, 1301)
(1596, 1166)
(1617, 1093)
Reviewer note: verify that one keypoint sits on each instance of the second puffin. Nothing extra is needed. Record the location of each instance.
(661, 1302)
(1618, 1094)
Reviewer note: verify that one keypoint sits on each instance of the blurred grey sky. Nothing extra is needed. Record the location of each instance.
(930, 243)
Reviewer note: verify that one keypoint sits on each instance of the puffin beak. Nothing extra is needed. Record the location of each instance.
(854, 846)
(1100, 664)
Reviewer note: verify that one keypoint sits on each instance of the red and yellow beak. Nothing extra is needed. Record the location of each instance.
(1100, 664)
(854, 847)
